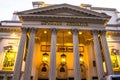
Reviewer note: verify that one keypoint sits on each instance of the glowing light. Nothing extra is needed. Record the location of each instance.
(69, 32)
(63, 58)
(45, 32)
(11, 56)
(81, 58)
(80, 33)
(45, 57)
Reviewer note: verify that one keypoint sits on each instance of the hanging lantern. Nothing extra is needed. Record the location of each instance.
(45, 57)
(81, 59)
(63, 59)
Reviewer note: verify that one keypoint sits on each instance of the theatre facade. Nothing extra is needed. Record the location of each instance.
(60, 42)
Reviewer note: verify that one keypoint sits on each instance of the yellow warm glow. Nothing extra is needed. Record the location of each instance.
(81, 59)
(63, 60)
(45, 32)
(11, 56)
(80, 33)
(69, 32)
(8, 61)
(15, 48)
(109, 37)
(45, 59)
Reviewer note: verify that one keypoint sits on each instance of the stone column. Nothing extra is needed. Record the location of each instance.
(76, 55)
(106, 53)
(98, 55)
(52, 72)
(28, 63)
(18, 64)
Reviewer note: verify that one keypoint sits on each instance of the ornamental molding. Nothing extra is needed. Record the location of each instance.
(65, 27)
(62, 12)
(62, 8)
(8, 29)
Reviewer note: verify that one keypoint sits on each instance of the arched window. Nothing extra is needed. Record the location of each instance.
(62, 69)
(44, 69)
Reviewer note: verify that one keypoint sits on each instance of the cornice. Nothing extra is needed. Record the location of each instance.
(101, 8)
(63, 6)
(10, 21)
(63, 18)
(8, 29)
(113, 25)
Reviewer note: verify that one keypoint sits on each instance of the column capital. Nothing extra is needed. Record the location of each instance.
(103, 32)
(24, 30)
(75, 30)
(54, 30)
(95, 31)
(32, 30)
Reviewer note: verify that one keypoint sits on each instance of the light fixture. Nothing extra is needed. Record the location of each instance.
(63, 59)
(8, 48)
(81, 59)
(69, 32)
(63, 56)
(45, 32)
(80, 33)
(45, 55)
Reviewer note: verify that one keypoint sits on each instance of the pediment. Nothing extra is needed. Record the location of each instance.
(63, 10)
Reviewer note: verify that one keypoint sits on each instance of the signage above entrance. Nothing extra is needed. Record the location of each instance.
(65, 23)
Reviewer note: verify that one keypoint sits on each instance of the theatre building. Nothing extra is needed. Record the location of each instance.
(60, 42)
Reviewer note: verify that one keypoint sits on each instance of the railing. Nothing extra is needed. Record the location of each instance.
(113, 77)
(6, 75)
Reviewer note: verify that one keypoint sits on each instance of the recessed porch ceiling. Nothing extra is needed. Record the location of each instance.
(68, 37)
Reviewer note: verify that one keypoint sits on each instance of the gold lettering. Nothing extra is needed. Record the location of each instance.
(76, 24)
(67, 23)
(51, 23)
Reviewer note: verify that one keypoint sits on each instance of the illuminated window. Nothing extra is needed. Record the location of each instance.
(9, 58)
(115, 59)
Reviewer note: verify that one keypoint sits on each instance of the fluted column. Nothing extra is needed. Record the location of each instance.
(98, 55)
(106, 53)
(28, 63)
(18, 64)
(76, 55)
(52, 72)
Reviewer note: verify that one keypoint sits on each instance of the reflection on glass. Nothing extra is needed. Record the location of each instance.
(115, 59)
(9, 60)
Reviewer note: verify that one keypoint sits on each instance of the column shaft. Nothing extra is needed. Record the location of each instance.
(106, 53)
(28, 63)
(52, 72)
(76, 56)
(18, 64)
(98, 55)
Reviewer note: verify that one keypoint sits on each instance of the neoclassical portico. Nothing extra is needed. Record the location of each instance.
(62, 17)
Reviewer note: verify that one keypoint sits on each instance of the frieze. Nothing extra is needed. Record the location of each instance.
(51, 23)
(76, 24)
(65, 23)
